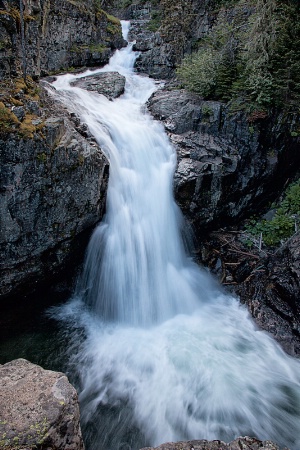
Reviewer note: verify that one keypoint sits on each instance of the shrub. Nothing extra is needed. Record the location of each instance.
(255, 58)
(284, 222)
(198, 72)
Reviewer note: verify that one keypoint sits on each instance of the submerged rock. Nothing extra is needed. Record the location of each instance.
(37, 408)
(241, 443)
(110, 84)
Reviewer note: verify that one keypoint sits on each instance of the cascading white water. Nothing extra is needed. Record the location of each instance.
(166, 355)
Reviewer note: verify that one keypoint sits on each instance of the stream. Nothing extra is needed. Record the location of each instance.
(157, 350)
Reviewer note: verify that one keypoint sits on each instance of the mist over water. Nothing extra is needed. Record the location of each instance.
(160, 353)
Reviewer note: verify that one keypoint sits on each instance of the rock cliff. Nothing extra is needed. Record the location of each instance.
(38, 408)
(53, 187)
(228, 168)
(231, 165)
(165, 31)
(53, 174)
(59, 35)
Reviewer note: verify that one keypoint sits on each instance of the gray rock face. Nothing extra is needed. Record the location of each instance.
(242, 443)
(59, 35)
(52, 188)
(37, 408)
(110, 84)
(157, 57)
(181, 24)
(272, 291)
(225, 169)
(268, 282)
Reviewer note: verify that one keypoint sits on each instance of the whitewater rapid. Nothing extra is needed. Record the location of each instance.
(158, 351)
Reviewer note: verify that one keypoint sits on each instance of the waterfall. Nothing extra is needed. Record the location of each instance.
(160, 353)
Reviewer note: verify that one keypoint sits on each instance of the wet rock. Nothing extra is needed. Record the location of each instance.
(267, 281)
(110, 84)
(224, 169)
(52, 189)
(241, 443)
(37, 408)
(177, 26)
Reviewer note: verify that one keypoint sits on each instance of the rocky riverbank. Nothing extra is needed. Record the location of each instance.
(242, 443)
(39, 409)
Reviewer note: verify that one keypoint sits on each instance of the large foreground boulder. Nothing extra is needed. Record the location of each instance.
(241, 443)
(37, 408)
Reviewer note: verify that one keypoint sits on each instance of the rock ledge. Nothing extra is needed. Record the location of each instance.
(241, 443)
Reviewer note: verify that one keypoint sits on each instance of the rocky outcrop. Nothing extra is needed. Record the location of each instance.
(272, 291)
(267, 281)
(241, 443)
(110, 84)
(53, 175)
(227, 167)
(227, 170)
(59, 35)
(156, 58)
(164, 33)
(53, 187)
(38, 408)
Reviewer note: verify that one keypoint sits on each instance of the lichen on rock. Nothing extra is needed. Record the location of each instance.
(37, 408)
(241, 443)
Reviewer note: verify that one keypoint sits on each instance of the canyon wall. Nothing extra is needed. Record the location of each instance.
(53, 174)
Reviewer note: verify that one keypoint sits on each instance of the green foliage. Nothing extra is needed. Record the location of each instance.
(126, 3)
(155, 21)
(206, 110)
(8, 121)
(112, 19)
(97, 48)
(198, 72)
(284, 222)
(255, 58)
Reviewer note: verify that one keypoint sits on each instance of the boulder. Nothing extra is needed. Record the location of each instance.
(110, 84)
(241, 443)
(37, 408)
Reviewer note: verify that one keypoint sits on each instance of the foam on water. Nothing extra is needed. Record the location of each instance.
(165, 353)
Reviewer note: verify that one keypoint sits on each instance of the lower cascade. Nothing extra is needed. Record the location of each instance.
(158, 351)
